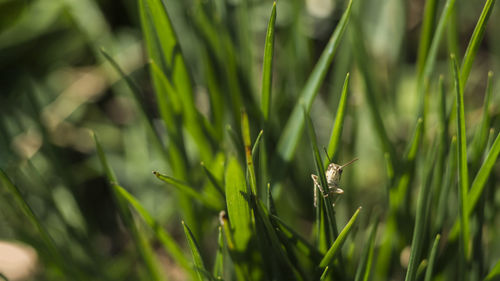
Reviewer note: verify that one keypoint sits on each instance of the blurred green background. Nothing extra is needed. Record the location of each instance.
(56, 87)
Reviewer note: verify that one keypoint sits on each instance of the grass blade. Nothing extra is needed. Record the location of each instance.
(473, 47)
(364, 266)
(245, 130)
(426, 33)
(238, 205)
(140, 241)
(330, 254)
(292, 132)
(218, 271)
(339, 122)
(432, 259)
(494, 273)
(168, 242)
(481, 136)
(267, 67)
(188, 190)
(195, 251)
(463, 181)
(239, 264)
(164, 49)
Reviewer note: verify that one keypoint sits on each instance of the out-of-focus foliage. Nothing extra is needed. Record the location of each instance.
(231, 103)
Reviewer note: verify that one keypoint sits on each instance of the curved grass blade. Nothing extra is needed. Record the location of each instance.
(473, 47)
(188, 190)
(364, 266)
(140, 241)
(164, 237)
(267, 66)
(463, 180)
(292, 132)
(339, 122)
(257, 143)
(195, 251)
(432, 259)
(334, 249)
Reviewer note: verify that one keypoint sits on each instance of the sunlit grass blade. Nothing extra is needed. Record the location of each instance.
(364, 267)
(494, 273)
(167, 241)
(238, 204)
(218, 270)
(140, 241)
(267, 66)
(215, 182)
(473, 47)
(333, 144)
(188, 190)
(325, 273)
(432, 259)
(463, 177)
(334, 249)
(195, 251)
(245, 130)
(427, 30)
(239, 264)
(163, 48)
(292, 132)
(257, 143)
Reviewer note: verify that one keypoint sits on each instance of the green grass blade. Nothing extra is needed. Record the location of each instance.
(257, 143)
(168, 242)
(364, 266)
(245, 130)
(325, 273)
(463, 181)
(238, 205)
(482, 176)
(494, 273)
(482, 131)
(334, 249)
(215, 182)
(432, 259)
(448, 180)
(330, 232)
(188, 190)
(267, 66)
(28, 211)
(218, 270)
(473, 47)
(292, 132)
(164, 49)
(426, 33)
(333, 144)
(195, 251)
(239, 264)
(300, 243)
(140, 241)
(270, 201)
(423, 206)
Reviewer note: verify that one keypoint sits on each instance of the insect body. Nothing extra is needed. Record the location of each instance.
(332, 174)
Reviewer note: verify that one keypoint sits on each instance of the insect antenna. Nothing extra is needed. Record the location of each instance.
(349, 163)
(326, 152)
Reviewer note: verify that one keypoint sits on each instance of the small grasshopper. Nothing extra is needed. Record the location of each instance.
(333, 173)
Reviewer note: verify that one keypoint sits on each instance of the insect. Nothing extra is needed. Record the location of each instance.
(333, 173)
